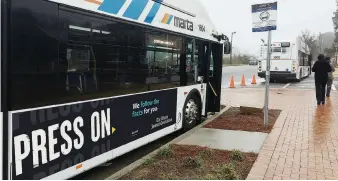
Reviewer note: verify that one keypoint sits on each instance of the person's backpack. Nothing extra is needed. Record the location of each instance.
(331, 77)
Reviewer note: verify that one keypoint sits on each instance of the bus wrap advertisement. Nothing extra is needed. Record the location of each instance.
(50, 139)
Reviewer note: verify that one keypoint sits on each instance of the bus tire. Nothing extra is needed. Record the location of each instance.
(192, 111)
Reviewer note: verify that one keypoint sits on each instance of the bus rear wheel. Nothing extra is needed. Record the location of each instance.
(192, 112)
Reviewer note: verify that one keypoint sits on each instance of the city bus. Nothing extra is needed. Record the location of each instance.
(290, 60)
(86, 81)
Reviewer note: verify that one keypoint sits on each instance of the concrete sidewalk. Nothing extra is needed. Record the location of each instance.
(304, 141)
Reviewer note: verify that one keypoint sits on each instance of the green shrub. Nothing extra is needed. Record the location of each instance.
(168, 176)
(206, 153)
(165, 152)
(149, 161)
(192, 162)
(237, 155)
(227, 172)
(210, 176)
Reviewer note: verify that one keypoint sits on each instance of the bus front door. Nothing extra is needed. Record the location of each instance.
(214, 78)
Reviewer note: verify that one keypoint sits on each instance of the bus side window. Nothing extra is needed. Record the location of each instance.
(33, 54)
(211, 66)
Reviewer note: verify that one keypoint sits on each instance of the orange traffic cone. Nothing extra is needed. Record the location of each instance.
(232, 82)
(254, 79)
(243, 81)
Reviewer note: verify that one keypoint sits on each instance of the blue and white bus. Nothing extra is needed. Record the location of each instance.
(86, 81)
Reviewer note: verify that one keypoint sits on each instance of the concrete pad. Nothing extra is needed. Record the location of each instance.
(226, 139)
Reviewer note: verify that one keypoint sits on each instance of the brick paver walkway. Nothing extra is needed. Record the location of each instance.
(304, 141)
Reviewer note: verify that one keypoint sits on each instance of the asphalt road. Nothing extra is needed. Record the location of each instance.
(248, 71)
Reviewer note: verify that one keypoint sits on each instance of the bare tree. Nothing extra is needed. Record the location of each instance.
(310, 40)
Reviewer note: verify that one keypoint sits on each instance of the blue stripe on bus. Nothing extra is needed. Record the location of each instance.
(152, 13)
(111, 6)
(170, 18)
(135, 9)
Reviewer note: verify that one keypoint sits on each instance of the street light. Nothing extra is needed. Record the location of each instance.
(232, 34)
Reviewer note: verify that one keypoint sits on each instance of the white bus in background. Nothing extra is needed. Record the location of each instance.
(290, 60)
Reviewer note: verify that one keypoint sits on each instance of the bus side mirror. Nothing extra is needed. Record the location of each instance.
(227, 48)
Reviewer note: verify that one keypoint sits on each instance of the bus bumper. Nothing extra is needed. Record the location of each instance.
(279, 75)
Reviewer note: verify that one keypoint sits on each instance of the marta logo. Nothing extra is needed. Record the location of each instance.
(178, 22)
(264, 16)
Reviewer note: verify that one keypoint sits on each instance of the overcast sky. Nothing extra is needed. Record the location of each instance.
(293, 17)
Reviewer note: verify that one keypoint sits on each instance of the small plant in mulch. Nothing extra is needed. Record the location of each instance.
(165, 152)
(237, 155)
(227, 172)
(149, 161)
(160, 164)
(223, 172)
(206, 153)
(211, 177)
(168, 176)
(182, 162)
(192, 162)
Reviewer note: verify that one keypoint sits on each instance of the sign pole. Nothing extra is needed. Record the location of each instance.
(264, 17)
(267, 81)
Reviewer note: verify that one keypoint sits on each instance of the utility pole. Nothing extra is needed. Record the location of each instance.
(232, 35)
(336, 55)
(320, 42)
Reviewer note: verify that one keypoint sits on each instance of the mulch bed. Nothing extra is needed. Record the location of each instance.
(179, 162)
(234, 120)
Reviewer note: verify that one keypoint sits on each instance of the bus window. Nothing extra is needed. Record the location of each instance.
(164, 51)
(190, 61)
(194, 60)
(211, 66)
(34, 62)
(276, 49)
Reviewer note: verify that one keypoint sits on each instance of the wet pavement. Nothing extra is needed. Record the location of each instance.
(304, 141)
(226, 139)
(309, 83)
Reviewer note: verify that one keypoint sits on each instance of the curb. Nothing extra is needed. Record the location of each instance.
(139, 162)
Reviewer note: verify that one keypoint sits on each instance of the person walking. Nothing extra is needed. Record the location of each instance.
(321, 68)
(331, 77)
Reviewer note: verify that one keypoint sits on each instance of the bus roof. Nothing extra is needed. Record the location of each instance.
(182, 16)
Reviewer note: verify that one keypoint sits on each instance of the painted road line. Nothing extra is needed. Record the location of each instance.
(334, 87)
(287, 85)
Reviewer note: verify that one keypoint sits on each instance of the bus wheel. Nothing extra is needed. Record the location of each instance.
(192, 112)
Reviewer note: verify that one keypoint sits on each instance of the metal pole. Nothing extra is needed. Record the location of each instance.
(336, 63)
(232, 34)
(320, 42)
(267, 81)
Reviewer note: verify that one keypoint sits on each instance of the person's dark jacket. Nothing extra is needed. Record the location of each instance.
(321, 69)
